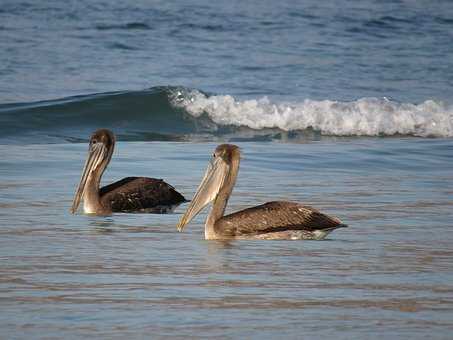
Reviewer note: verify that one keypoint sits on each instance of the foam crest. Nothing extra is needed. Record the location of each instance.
(363, 117)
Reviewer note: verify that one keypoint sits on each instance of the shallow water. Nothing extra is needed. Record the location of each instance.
(389, 274)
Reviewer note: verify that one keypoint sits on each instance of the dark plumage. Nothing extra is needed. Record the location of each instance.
(140, 194)
(131, 194)
(273, 217)
(273, 220)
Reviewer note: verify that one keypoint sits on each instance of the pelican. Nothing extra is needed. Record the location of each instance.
(131, 194)
(273, 220)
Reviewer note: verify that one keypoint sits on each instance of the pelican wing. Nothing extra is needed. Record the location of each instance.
(273, 217)
(140, 194)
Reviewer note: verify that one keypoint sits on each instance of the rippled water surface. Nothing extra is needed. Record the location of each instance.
(132, 275)
(294, 49)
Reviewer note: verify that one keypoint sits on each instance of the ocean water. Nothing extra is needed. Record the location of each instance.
(346, 106)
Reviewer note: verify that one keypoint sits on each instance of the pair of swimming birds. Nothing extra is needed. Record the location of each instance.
(272, 220)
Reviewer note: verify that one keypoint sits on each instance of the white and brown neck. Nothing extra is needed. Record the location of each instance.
(221, 201)
(92, 203)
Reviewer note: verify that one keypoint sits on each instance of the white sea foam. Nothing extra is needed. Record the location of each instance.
(363, 117)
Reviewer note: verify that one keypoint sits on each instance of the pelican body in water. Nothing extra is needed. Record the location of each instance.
(131, 194)
(272, 220)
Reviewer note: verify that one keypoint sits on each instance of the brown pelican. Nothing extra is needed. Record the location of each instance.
(272, 220)
(131, 194)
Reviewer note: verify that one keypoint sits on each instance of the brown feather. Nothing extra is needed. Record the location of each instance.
(275, 217)
(140, 194)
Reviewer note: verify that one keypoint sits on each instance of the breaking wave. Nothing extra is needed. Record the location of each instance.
(181, 114)
(363, 117)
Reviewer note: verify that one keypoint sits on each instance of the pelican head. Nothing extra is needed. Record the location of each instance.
(100, 150)
(216, 184)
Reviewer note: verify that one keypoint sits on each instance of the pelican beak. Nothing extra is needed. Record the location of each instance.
(96, 154)
(209, 187)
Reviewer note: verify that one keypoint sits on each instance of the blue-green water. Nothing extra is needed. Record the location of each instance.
(291, 50)
(388, 275)
(345, 106)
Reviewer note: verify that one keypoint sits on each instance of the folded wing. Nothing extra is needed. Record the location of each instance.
(140, 194)
(274, 217)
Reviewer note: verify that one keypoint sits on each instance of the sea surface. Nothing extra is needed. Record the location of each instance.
(346, 106)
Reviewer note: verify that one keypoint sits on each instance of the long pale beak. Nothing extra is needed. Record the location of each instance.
(96, 155)
(207, 191)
